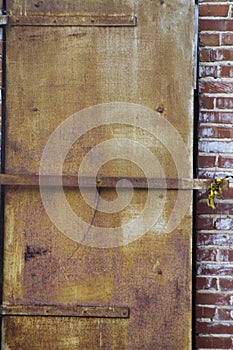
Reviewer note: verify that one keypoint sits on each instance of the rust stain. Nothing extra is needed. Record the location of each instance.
(77, 35)
(33, 252)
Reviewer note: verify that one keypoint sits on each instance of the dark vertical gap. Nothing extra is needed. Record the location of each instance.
(195, 175)
(2, 160)
(194, 243)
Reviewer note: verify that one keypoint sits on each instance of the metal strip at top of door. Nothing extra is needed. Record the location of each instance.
(77, 20)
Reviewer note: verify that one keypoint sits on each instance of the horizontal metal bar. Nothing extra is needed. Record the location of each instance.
(77, 20)
(65, 311)
(104, 182)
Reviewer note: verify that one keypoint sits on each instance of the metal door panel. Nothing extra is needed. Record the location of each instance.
(52, 73)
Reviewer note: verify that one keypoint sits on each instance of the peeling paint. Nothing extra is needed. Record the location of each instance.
(207, 132)
(216, 146)
(224, 224)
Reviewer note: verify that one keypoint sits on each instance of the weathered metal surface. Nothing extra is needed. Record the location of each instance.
(53, 72)
(69, 7)
(65, 311)
(105, 182)
(56, 333)
(75, 21)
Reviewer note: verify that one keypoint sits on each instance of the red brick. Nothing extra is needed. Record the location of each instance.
(215, 269)
(226, 208)
(215, 131)
(207, 161)
(226, 255)
(216, 117)
(226, 284)
(223, 132)
(214, 328)
(216, 239)
(206, 283)
(216, 25)
(205, 312)
(202, 194)
(205, 55)
(225, 314)
(206, 254)
(225, 162)
(209, 298)
(205, 223)
(228, 193)
(222, 55)
(223, 224)
(226, 72)
(207, 174)
(215, 87)
(224, 102)
(213, 10)
(206, 102)
(213, 342)
(208, 71)
(208, 39)
(211, 175)
(227, 39)
(216, 146)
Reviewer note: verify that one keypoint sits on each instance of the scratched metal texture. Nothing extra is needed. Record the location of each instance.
(53, 72)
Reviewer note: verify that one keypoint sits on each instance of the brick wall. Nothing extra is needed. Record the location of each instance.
(214, 297)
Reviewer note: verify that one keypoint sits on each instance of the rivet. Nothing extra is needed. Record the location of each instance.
(160, 109)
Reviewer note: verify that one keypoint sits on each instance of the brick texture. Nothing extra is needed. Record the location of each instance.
(214, 236)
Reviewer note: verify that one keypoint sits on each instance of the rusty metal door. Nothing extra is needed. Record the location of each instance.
(99, 94)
